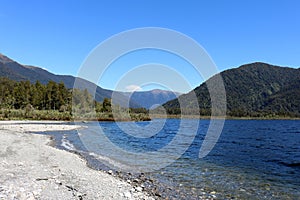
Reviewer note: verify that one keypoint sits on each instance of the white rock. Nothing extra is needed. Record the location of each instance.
(30, 197)
(127, 195)
(132, 190)
(139, 189)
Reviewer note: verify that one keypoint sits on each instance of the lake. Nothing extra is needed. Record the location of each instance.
(252, 159)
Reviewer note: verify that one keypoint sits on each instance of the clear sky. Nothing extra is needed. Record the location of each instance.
(59, 34)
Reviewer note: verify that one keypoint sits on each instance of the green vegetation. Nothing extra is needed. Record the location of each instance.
(255, 90)
(53, 101)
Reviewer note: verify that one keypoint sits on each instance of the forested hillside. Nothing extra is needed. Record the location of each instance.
(18, 72)
(54, 101)
(252, 90)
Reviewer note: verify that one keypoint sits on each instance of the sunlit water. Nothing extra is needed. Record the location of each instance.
(253, 159)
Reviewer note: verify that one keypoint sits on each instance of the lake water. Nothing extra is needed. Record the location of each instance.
(253, 159)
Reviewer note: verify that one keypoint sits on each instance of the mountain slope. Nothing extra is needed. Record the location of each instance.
(15, 71)
(18, 72)
(251, 90)
(286, 101)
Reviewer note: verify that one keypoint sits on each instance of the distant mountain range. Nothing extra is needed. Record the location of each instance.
(152, 99)
(256, 89)
(15, 71)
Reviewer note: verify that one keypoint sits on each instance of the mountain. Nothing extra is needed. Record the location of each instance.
(15, 71)
(256, 89)
(153, 98)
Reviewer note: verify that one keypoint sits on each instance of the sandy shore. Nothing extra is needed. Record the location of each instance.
(31, 169)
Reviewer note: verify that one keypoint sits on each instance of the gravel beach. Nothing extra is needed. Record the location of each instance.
(31, 169)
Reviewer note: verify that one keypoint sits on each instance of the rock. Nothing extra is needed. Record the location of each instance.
(80, 195)
(110, 172)
(151, 180)
(136, 180)
(58, 182)
(139, 189)
(31, 197)
(132, 190)
(213, 192)
(127, 195)
(35, 193)
(157, 194)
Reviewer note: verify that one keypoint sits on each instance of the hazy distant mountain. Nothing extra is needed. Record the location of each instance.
(15, 71)
(256, 89)
(152, 98)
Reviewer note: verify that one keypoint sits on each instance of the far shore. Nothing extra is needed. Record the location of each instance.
(222, 117)
(154, 116)
(31, 169)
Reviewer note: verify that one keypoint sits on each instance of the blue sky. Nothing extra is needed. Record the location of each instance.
(59, 35)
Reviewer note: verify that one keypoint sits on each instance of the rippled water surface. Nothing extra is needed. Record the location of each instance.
(253, 159)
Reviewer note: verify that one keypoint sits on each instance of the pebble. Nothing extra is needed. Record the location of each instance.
(139, 189)
(127, 195)
(157, 194)
(132, 190)
(31, 197)
(136, 180)
(58, 182)
(80, 194)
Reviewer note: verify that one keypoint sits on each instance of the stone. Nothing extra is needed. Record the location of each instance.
(127, 195)
(139, 189)
(157, 194)
(58, 182)
(136, 180)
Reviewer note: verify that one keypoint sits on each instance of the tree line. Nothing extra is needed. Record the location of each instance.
(55, 101)
(19, 95)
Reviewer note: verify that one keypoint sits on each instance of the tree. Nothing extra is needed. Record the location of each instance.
(106, 105)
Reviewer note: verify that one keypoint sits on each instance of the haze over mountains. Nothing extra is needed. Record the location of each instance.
(15, 71)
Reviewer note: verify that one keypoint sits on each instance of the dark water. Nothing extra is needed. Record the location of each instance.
(253, 159)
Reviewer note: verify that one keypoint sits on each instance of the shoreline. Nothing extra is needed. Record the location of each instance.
(32, 169)
(221, 117)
